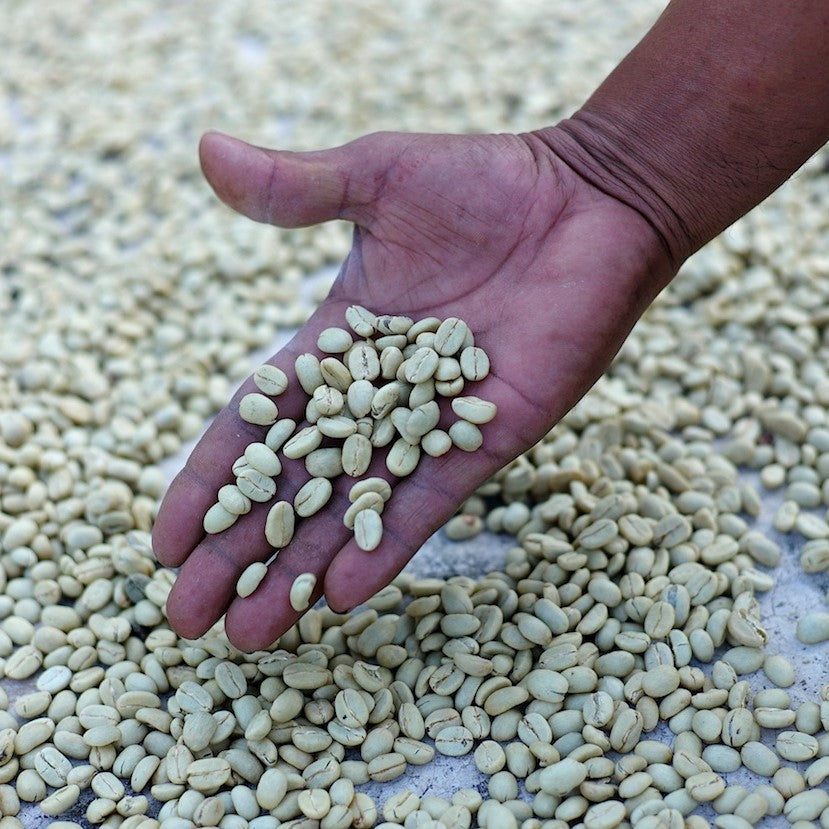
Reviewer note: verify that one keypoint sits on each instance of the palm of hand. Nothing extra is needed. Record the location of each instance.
(549, 273)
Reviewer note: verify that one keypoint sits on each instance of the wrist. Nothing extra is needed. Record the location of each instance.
(627, 249)
(709, 113)
(600, 153)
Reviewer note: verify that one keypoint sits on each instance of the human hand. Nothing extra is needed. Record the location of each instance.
(548, 271)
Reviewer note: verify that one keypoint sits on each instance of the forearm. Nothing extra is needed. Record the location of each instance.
(715, 108)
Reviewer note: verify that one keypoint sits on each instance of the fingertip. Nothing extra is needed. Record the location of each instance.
(184, 622)
(217, 148)
(248, 640)
(337, 588)
(355, 576)
(212, 147)
(187, 630)
(238, 172)
(210, 141)
(201, 592)
(168, 543)
(257, 622)
(339, 604)
(159, 548)
(165, 549)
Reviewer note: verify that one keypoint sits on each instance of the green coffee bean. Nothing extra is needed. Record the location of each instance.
(813, 628)
(301, 590)
(796, 746)
(251, 578)
(257, 409)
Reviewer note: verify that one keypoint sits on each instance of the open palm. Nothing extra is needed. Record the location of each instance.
(549, 272)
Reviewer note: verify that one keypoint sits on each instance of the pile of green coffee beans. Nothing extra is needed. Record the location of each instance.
(632, 569)
(132, 301)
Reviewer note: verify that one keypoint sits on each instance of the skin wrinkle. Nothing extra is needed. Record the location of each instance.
(533, 253)
(533, 405)
(464, 242)
(460, 214)
(197, 479)
(271, 193)
(382, 183)
(447, 240)
(362, 211)
(539, 154)
(473, 241)
(612, 183)
(411, 301)
(410, 297)
(205, 581)
(741, 103)
(433, 487)
(379, 295)
(345, 197)
(412, 248)
(536, 195)
(410, 214)
(518, 245)
(213, 544)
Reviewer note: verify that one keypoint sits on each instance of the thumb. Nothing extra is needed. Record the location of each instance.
(287, 188)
